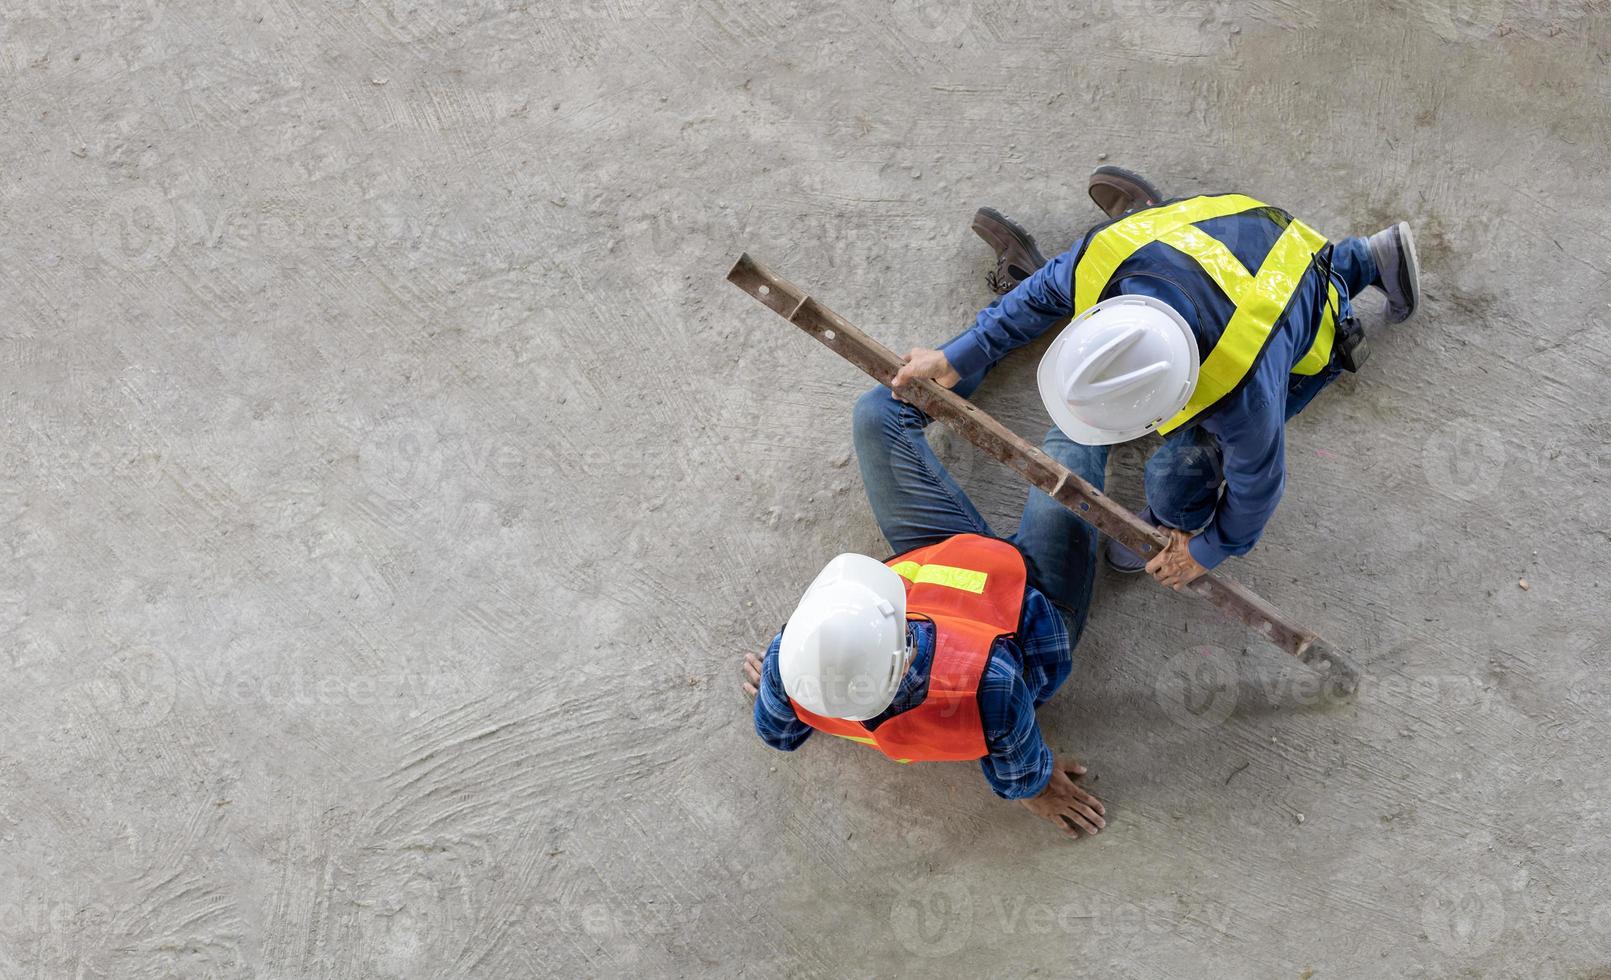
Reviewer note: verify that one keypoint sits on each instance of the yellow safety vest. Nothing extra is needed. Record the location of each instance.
(1260, 300)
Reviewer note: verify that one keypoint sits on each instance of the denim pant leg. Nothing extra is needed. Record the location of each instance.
(1182, 479)
(1184, 475)
(1355, 269)
(1302, 389)
(1352, 262)
(1061, 548)
(914, 498)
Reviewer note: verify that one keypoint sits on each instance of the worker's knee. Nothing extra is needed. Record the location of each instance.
(1182, 483)
(1189, 465)
(877, 417)
(1192, 470)
(1088, 462)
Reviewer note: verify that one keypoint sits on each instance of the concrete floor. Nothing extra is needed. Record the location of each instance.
(392, 485)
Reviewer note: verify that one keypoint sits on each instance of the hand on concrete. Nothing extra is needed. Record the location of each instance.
(1174, 566)
(752, 674)
(920, 362)
(1065, 804)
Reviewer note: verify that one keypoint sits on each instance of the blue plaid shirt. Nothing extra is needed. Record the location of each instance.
(1024, 670)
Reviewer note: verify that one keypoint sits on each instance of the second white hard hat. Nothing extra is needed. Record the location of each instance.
(845, 650)
(1119, 370)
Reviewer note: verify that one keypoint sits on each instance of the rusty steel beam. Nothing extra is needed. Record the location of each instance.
(1059, 482)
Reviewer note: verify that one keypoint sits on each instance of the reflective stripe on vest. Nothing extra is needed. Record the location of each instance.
(1260, 300)
(867, 741)
(950, 576)
(972, 589)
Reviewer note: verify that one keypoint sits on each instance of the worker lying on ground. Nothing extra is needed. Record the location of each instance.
(943, 652)
(1210, 320)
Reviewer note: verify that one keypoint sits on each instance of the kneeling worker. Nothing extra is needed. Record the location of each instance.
(1211, 320)
(943, 652)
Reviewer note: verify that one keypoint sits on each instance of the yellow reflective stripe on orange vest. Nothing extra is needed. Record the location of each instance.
(949, 576)
(868, 741)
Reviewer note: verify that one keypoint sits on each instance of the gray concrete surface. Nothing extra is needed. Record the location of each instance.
(392, 485)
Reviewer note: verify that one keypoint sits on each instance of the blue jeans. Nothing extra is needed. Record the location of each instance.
(1183, 476)
(917, 502)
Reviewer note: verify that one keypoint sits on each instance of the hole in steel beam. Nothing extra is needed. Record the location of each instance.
(765, 290)
(828, 334)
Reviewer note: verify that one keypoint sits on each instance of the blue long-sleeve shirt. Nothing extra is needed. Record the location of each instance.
(1024, 670)
(1250, 426)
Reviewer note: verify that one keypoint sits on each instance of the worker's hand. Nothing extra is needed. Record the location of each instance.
(1065, 804)
(920, 362)
(1174, 566)
(752, 674)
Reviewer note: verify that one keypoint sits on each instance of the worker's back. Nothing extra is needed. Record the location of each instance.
(1164, 272)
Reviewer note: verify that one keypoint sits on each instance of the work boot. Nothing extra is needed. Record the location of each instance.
(1122, 559)
(1017, 258)
(1117, 190)
(1398, 270)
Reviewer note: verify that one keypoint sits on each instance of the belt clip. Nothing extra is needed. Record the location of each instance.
(1352, 350)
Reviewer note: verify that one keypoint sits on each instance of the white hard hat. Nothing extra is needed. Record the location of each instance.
(1119, 370)
(844, 650)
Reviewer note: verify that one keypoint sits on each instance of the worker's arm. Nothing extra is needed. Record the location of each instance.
(1019, 766)
(1002, 327)
(1019, 763)
(775, 720)
(1252, 438)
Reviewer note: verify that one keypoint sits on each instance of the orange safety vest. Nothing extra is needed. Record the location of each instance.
(972, 588)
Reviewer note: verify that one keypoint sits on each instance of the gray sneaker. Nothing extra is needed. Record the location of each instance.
(1122, 559)
(1398, 270)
